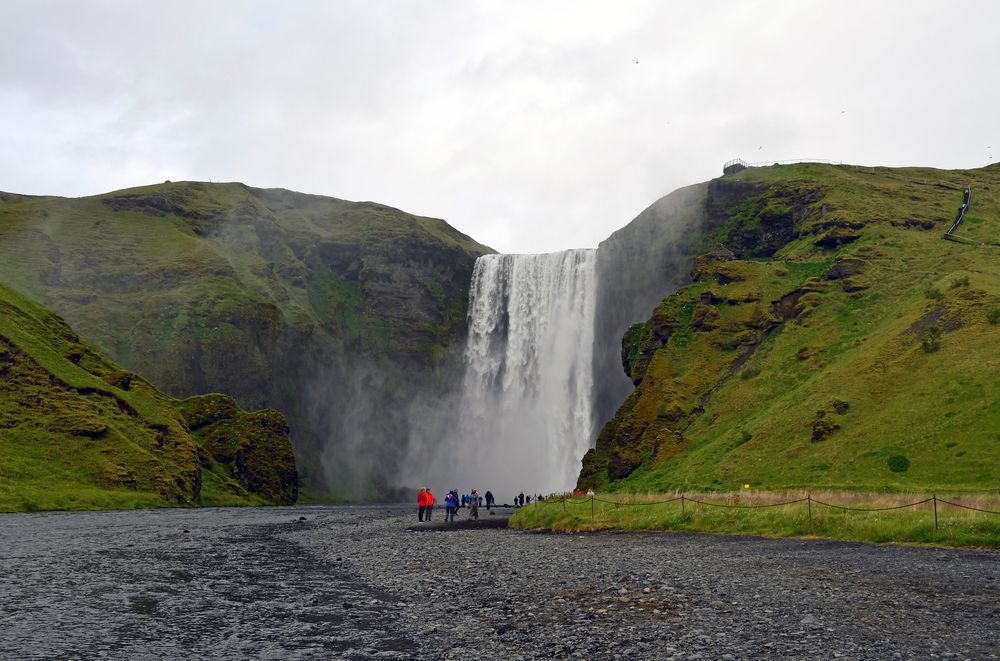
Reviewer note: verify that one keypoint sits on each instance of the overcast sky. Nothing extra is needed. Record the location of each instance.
(532, 126)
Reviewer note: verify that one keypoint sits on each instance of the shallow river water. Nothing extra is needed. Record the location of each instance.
(370, 582)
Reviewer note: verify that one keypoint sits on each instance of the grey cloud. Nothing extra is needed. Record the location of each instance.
(530, 126)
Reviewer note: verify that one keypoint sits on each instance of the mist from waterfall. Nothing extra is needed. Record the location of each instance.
(541, 370)
(525, 412)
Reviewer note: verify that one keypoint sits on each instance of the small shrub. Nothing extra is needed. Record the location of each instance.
(933, 293)
(993, 316)
(898, 463)
(75, 354)
(932, 341)
(669, 411)
(749, 373)
(960, 282)
(744, 436)
(122, 380)
(822, 426)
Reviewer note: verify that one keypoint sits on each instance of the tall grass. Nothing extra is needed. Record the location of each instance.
(763, 513)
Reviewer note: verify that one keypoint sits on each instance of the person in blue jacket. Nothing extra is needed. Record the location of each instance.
(450, 503)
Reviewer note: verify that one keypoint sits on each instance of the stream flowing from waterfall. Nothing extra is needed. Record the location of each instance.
(525, 414)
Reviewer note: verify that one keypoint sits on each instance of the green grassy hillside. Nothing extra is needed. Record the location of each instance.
(79, 432)
(831, 339)
(330, 311)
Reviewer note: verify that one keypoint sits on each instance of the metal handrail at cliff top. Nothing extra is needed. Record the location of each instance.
(788, 161)
(792, 161)
(735, 165)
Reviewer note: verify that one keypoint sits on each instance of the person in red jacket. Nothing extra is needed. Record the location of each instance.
(421, 504)
(428, 504)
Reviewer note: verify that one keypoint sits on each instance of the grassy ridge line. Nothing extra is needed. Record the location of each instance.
(27, 324)
(912, 525)
(37, 473)
(78, 432)
(49, 456)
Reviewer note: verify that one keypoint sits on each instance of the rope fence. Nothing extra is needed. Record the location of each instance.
(809, 500)
(967, 507)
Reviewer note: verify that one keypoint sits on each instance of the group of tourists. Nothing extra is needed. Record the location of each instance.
(452, 503)
(520, 500)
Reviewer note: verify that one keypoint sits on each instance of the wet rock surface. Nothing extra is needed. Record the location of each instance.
(359, 583)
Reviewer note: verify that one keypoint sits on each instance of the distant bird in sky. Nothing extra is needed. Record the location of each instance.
(759, 148)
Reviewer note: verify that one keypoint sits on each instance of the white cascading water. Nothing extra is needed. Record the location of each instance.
(525, 416)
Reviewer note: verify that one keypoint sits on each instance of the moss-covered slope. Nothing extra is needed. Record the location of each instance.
(325, 309)
(78, 432)
(830, 338)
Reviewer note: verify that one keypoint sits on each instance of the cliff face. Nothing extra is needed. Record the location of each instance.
(79, 432)
(827, 331)
(651, 255)
(330, 311)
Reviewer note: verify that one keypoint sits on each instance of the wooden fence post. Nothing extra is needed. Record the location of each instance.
(683, 510)
(934, 496)
(809, 501)
(592, 508)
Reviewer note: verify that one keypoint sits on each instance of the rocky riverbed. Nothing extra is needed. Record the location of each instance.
(372, 583)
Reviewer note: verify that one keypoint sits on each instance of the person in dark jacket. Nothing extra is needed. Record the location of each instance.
(489, 500)
(450, 503)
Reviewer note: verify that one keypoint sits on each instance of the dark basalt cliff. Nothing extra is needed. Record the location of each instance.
(635, 265)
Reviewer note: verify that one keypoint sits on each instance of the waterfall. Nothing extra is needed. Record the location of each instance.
(541, 369)
(525, 417)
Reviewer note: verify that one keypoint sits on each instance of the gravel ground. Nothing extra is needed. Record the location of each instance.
(177, 584)
(359, 583)
(501, 594)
